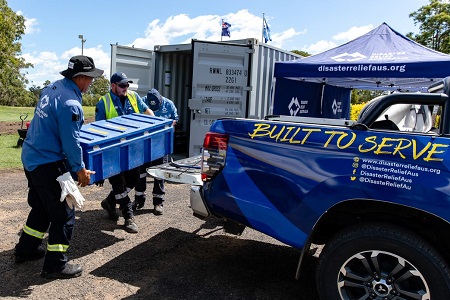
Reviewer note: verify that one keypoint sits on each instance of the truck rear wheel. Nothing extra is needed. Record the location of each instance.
(376, 261)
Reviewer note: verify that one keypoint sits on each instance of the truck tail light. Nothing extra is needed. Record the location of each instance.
(214, 154)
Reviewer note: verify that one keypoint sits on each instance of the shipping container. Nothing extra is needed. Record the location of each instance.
(206, 81)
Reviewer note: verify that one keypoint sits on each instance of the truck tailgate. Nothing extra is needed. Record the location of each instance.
(186, 170)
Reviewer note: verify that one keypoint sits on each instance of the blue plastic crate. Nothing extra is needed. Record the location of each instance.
(123, 143)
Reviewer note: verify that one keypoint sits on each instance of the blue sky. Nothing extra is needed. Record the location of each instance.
(53, 26)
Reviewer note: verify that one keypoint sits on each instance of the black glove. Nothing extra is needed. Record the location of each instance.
(100, 182)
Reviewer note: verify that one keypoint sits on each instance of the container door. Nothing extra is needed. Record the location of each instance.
(219, 87)
(136, 63)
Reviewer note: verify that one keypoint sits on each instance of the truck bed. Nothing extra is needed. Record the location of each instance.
(186, 170)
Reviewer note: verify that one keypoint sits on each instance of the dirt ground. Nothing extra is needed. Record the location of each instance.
(10, 127)
(174, 256)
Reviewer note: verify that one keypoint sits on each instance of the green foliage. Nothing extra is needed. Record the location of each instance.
(36, 91)
(12, 82)
(434, 24)
(302, 53)
(98, 88)
(363, 96)
(90, 100)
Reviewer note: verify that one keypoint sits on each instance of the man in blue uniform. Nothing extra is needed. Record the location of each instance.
(162, 107)
(117, 102)
(50, 149)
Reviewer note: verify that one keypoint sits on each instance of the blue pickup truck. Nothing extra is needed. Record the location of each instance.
(374, 192)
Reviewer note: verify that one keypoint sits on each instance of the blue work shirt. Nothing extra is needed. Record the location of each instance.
(54, 132)
(167, 109)
(126, 109)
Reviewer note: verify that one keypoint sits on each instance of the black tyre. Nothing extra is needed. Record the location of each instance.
(375, 261)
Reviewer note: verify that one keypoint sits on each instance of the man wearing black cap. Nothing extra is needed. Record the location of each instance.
(120, 101)
(50, 149)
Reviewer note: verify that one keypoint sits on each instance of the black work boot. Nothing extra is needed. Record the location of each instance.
(138, 202)
(111, 210)
(23, 257)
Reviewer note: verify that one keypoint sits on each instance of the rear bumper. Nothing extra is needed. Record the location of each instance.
(185, 171)
(197, 204)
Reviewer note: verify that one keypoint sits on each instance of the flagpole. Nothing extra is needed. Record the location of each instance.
(262, 30)
(221, 30)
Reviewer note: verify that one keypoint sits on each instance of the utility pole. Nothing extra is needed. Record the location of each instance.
(82, 42)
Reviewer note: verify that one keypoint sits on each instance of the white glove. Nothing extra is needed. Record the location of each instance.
(69, 191)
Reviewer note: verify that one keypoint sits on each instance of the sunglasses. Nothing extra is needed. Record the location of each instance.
(123, 86)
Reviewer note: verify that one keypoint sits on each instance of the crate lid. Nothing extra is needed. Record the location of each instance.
(122, 127)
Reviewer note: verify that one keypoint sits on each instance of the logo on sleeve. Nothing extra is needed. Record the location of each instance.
(44, 101)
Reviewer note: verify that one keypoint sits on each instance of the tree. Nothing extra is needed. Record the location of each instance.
(363, 96)
(302, 53)
(434, 25)
(12, 83)
(98, 88)
(36, 91)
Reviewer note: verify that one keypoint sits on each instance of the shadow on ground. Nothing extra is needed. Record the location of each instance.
(16, 279)
(175, 264)
(180, 265)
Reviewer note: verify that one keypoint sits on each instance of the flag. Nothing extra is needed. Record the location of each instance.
(226, 29)
(266, 31)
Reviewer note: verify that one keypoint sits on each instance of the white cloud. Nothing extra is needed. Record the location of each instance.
(101, 58)
(30, 24)
(47, 65)
(341, 37)
(318, 47)
(352, 33)
(279, 39)
(178, 29)
(208, 27)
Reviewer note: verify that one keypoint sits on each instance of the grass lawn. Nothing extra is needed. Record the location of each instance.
(10, 154)
(12, 114)
(10, 157)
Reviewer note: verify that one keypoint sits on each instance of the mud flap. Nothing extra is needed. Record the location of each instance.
(232, 227)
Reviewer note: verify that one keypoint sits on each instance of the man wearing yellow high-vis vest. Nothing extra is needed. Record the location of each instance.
(117, 102)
